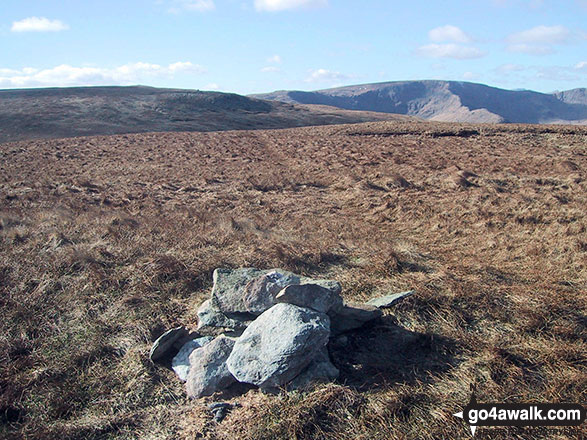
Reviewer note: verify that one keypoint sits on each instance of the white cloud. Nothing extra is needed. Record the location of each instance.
(281, 5)
(582, 65)
(450, 51)
(508, 68)
(66, 75)
(38, 24)
(470, 76)
(531, 49)
(192, 5)
(448, 33)
(275, 59)
(211, 86)
(321, 75)
(541, 35)
(539, 40)
(270, 69)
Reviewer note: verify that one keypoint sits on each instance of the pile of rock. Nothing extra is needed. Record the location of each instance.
(276, 326)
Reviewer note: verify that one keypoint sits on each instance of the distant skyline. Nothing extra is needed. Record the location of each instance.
(254, 46)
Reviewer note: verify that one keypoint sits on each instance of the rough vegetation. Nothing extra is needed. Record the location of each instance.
(105, 242)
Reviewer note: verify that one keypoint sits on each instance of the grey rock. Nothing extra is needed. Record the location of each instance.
(243, 294)
(389, 300)
(320, 369)
(181, 362)
(164, 344)
(208, 371)
(220, 410)
(312, 296)
(210, 316)
(248, 292)
(351, 317)
(278, 345)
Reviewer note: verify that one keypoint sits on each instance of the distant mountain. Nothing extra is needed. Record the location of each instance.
(452, 101)
(80, 111)
(575, 96)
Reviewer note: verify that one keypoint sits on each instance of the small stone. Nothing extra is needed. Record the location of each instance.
(312, 296)
(220, 410)
(384, 302)
(352, 317)
(278, 345)
(208, 370)
(164, 344)
(181, 362)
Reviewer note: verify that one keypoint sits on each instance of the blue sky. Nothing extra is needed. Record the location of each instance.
(249, 46)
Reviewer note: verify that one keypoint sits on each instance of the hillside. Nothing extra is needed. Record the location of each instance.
(108, 241)
(83, 111)
(449, 101)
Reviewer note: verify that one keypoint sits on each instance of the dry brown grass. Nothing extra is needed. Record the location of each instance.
(107, 241)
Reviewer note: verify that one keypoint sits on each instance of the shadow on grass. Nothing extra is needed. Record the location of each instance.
(383, 353)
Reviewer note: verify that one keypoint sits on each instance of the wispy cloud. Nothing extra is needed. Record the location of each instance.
(66, 75)
(542, 34)
(38, 24)
(274, 60)
(322, 75)
(178, 6)
(270, 69)
(282, 5)
(450, 42)
(448, 33)
(506, 69)
(519, 74)
(539, 40)
(451, 50)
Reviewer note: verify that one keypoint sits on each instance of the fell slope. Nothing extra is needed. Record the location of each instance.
(107, 241)
(450, 101)
(80, 111)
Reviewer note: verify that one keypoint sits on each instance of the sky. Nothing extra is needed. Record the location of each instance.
(254, 46)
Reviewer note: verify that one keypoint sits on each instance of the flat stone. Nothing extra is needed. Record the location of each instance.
(181, 362)
(208, 371)
(312, 296)
(351, 317)
(386, 301)
(278, 345)
(243, 294)
(320, 370)
(247, 292)
(164, 344)
(210, 316)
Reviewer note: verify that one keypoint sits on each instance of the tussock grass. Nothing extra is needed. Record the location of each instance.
(105, 242)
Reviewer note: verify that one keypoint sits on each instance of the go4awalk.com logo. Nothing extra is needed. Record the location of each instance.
(521, 414)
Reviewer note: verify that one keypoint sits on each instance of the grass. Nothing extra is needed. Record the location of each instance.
(105, 242)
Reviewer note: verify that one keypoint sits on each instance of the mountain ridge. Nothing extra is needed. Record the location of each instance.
(450, 101)
(83, 111)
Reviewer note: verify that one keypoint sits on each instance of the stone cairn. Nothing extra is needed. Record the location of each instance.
(276, 326)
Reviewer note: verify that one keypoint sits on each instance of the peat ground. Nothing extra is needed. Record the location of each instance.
(107, 241)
